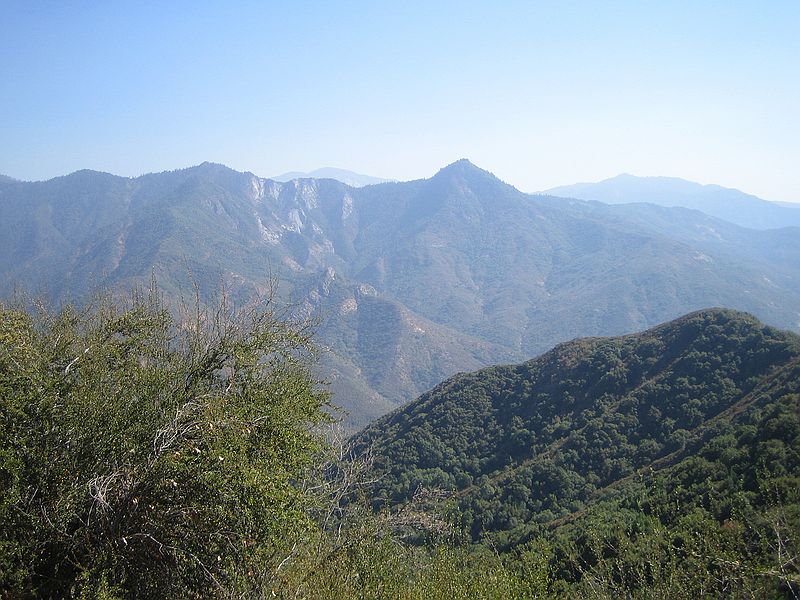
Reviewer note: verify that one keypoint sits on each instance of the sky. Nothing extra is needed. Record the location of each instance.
(540, 93)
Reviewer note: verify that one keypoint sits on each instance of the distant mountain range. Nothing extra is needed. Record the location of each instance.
(413, 281)
(724, 203)
(789, 204)
(349, 177)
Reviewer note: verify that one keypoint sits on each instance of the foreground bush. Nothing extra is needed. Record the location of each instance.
(144, 456)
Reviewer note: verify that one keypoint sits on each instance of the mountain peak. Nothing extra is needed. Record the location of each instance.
(462, 164)
(89, 175)
(463, 175)
(211, 167)
(464, 168)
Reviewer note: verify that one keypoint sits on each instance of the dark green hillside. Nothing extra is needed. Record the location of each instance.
(721, 519)
(541, 441)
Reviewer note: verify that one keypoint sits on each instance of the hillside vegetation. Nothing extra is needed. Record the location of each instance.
(613, 448)
(145, 457)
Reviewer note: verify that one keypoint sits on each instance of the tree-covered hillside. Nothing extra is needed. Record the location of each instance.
(662, 464)
(720, 519)
(539, 441)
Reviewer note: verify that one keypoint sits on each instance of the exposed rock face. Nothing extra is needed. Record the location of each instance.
(412, 281)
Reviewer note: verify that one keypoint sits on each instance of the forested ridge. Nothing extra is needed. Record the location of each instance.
(695, 423)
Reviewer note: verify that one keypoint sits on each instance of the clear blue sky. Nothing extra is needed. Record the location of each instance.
(540, 93)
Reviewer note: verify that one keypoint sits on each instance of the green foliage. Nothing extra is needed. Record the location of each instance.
(655, 550)
(148, 457)
(663, 464)
(380, 567)
(538, 441)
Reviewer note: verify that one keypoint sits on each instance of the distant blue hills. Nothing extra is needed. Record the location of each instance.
(724, 203)
(349, 177)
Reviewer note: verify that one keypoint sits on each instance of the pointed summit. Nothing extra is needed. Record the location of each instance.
(464, 162)
(464, 168)
(463, 173)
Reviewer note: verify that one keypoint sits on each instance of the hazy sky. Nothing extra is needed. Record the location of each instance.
(540, 93)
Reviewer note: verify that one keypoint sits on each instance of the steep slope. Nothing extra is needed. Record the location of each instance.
(413, 281)
(391, 350)
(529, 272)
(724, 203)
(531, 443)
